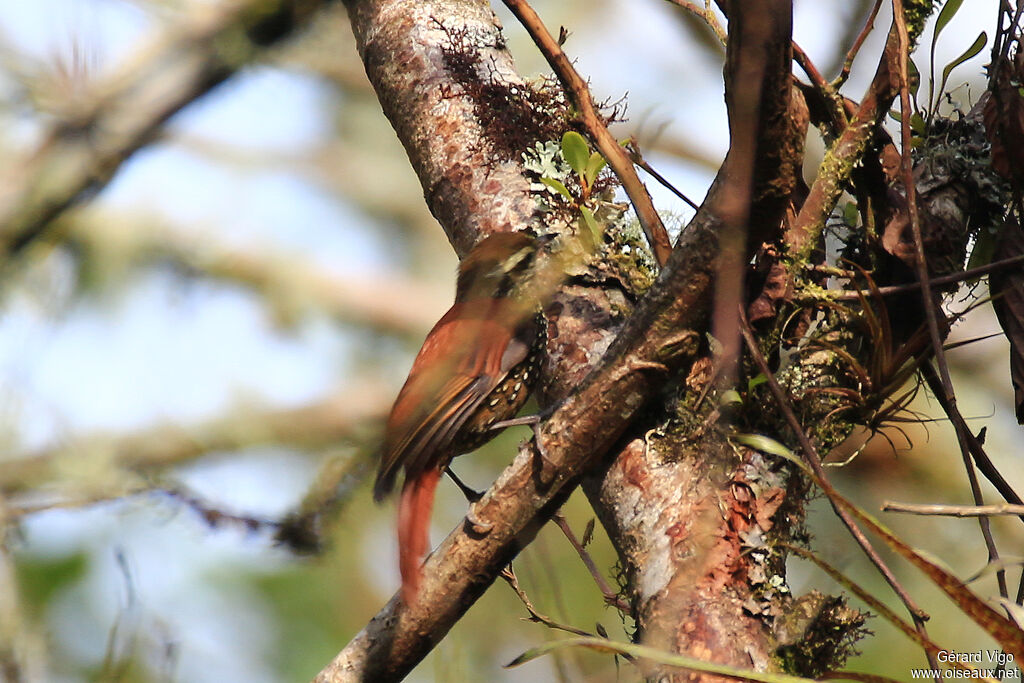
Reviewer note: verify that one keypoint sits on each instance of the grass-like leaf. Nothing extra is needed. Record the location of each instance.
(654, 655)
(766, 444)
(949, 10)
(975, 48)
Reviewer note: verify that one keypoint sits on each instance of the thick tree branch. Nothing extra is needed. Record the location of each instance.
(679, 510)
(83, 150)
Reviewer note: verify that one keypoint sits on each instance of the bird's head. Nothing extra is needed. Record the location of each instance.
(502, 265)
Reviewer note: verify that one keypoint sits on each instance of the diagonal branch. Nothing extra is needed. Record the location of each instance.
(82, 151)
(844, 154)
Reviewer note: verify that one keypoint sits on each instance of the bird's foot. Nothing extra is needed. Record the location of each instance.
(477, 525)
(516, 421)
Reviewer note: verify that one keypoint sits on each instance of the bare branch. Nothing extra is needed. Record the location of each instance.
(999, 509)
(81, 152)
(328, 422)
(290, 285)
(704, 14)
(610, 597)
(510, 578)
(841, 158)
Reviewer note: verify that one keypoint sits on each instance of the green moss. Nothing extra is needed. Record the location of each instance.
(916, 13)
(817, 634)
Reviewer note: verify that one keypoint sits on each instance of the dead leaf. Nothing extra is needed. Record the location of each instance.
(1007, 288)
(1004, 121)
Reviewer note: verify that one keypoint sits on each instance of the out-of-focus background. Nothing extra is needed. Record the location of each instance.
(207, 346)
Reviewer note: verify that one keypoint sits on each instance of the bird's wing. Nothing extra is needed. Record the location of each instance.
(452, 374)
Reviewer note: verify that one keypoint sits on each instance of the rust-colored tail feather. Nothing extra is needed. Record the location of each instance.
(413, 528)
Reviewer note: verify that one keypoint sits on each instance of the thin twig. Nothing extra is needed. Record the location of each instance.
(941, 510)
(931, 315)
(934, 282)
(579, 94)
(706, 15)
(981, 458)
(838, 111)
(611, 597)
(513, 582)
(869, 25)
(638, 159)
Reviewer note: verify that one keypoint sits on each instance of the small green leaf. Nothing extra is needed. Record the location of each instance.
(850, 214)
(558, 187)
(755, 382)
(914, 78)
(588, 218)
(949, 10)
(917, 123)
(576, 151)
(594, 166)
(765, 444)
(984, 249)
(730, 397)
(975, 48)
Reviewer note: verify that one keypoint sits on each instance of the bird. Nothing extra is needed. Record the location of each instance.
(476, 368)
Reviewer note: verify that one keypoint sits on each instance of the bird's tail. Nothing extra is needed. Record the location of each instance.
(413, 527)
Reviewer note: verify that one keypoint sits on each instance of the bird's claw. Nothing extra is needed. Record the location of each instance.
(477, 525)
(544, 466)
